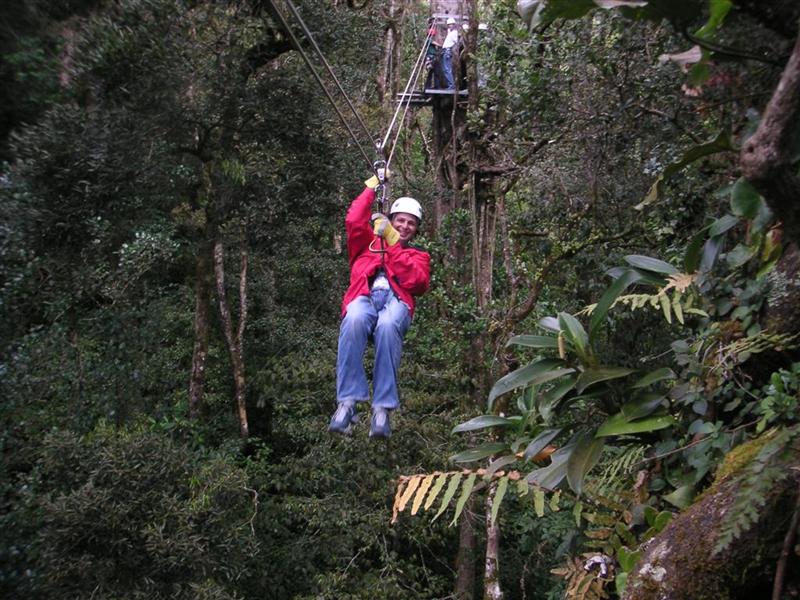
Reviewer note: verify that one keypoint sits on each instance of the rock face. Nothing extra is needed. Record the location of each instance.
(679, 564)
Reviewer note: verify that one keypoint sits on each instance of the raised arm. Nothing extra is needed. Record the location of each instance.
(359, 233)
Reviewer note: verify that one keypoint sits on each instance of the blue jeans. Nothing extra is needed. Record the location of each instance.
(384, 318)
(447, 68)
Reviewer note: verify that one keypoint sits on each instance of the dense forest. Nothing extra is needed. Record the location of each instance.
(600, 390)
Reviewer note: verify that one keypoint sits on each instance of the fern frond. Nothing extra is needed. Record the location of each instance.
(421, 491)
(677, 305)
(759, 477)
(581, 584)
(740, 350)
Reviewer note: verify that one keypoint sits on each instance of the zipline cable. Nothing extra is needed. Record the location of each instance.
(321, 83)
(411, 84)
(327, 65)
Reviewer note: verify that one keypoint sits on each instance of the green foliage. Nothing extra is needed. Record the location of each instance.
(130, 514)
(757, 479)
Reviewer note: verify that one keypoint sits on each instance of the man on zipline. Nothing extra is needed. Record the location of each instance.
(386, 273)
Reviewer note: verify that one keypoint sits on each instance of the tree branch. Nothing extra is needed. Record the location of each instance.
(766, 156)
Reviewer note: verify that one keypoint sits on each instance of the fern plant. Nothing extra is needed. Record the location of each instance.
(758, 478)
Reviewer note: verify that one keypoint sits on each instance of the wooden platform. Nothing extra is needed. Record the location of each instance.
(426, 97)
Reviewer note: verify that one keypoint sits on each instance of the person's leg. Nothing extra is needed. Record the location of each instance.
(351, 380)
(447, 68)
(393, 322)
(356, 326)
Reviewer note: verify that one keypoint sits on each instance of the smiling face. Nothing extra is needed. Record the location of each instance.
(406, 225)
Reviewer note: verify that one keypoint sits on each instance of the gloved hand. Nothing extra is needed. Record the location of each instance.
(373, 181)
(383, 228)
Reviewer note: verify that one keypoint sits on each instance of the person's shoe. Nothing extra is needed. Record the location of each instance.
(380, 427)
(343, 419)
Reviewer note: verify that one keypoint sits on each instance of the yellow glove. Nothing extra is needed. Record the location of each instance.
(383, 228)
(374, 182)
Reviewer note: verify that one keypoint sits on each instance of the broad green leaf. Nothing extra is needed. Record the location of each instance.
(574, 331)
(723, 224)
(662, 520)
(619, 425)
(482, 422)
(711, 251)
(582, 460)
(530, 11)
(650, 264)
(435, 489)
(455, 480)
(567, 9)
(682, 497)
(551, 375)
(721, 143)
(653, 376)
(527, 375)
(620, 583)
(502, 485)
(498, 464)
(550, 399)
(609, 296)
(650, 514)
(534, 341)
(745, 200)
(480, 452)
(550, 323)
(540, 442)
(628, 558)
(592, 376)
(739, 255)
(466, 490)
(645, 277)
(643, 406)
(719, 10)
(694, 251)
(538, 501)
(550, 476)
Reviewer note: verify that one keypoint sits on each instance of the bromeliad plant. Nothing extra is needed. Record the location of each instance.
(575, 376)
(723, 288)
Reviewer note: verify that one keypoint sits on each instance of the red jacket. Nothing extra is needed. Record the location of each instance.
(407, 269)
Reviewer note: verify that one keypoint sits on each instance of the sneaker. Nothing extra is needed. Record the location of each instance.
(380, 427)
(343, 419)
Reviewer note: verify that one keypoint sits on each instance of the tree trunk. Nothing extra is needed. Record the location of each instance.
(235, 341)
(389, 74)
(202, 310)
(679, 562)
(491, 574)
(465, 559)
(766, 157)
(484, 233)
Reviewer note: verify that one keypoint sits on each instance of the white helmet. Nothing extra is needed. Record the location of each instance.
(451, 21)
(405, 204)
